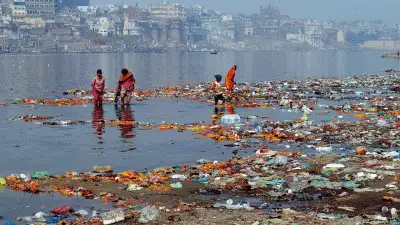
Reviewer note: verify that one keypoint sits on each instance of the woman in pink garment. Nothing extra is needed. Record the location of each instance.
(126, 86)
(98, 85)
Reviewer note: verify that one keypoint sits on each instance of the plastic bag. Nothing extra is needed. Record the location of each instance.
(148, 214)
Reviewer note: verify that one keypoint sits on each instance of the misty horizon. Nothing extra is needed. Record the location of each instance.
(339, 10)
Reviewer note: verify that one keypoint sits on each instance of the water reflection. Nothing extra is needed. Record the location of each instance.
(125, 116)
(230, 110)
(98, 121)
(217, 114)
(221, 110)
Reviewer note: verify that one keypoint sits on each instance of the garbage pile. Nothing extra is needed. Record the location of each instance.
(277, 176)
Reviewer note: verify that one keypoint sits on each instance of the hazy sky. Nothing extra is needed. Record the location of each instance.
(386, 10)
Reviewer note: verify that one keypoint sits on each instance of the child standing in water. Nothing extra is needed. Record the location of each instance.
(216, 87)
(98, 86)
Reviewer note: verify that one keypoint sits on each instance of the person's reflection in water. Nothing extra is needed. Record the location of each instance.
(230, 110)
(125, 117)
(217, 114)
(98, 120)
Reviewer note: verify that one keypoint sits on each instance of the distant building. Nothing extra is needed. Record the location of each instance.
(296, 37)
(72, 4)
(44, 9)
(313, 33)
(167, 12)
(132, 18)
(341, 38)
(167, 23)
(18, 9)
(88, 9)
(381, 45)
(267, 22)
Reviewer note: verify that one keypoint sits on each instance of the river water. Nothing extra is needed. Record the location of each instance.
(28, 147)
(39, 75)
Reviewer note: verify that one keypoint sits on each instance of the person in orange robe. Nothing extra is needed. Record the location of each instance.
(230, 79)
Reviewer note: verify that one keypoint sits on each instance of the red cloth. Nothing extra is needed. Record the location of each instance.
(62, 210)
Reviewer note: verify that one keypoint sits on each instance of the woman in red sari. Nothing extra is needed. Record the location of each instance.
(126, 86)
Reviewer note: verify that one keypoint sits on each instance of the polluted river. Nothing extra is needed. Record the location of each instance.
(280, 151)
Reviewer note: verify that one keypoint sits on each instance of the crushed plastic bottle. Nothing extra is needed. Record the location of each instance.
(148, 214)
(176, 185)
(230, 119)
(279, 160)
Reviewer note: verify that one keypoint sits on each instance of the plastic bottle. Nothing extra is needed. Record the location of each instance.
(230, 119)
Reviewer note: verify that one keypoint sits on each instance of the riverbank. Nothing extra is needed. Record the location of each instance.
(270, 186)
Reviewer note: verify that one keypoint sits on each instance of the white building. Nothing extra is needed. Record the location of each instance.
(88, 9)
(313, 33)
(131, 27)
(102, 25)
(340, 37)
(6, 19)
(18, 8)
(227, 17)
(296, 38)
(168, 11)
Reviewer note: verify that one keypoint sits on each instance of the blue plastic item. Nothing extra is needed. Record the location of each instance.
(200, 180)
(9, 223)
(55, 219)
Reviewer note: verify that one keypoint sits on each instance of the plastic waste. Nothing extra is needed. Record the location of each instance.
(176, 185)
(381, 123)
(62, 210)
(134, 187)
(279, 160)
(26, 219)
(3, 181)
(361, 150)
(230, 119)
(334, 165)
(306, 110)
(103, 169)
(9, 223)
(200, 180)
(276, 181)
(330, 216)
(40, 215)
(54, 219)
(178, 176)
(202, 161)
(380, 218)
(39, 175)
(229, 205)
(148, 214)
(324, 149)
(393, 212)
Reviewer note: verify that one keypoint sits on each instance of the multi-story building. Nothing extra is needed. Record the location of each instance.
(211, 23)
(313, 33)
(44, 9)
(167, 12)
(18, 9)
(267, 22)
(167, 23)
(72, 4)
(228, 27)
